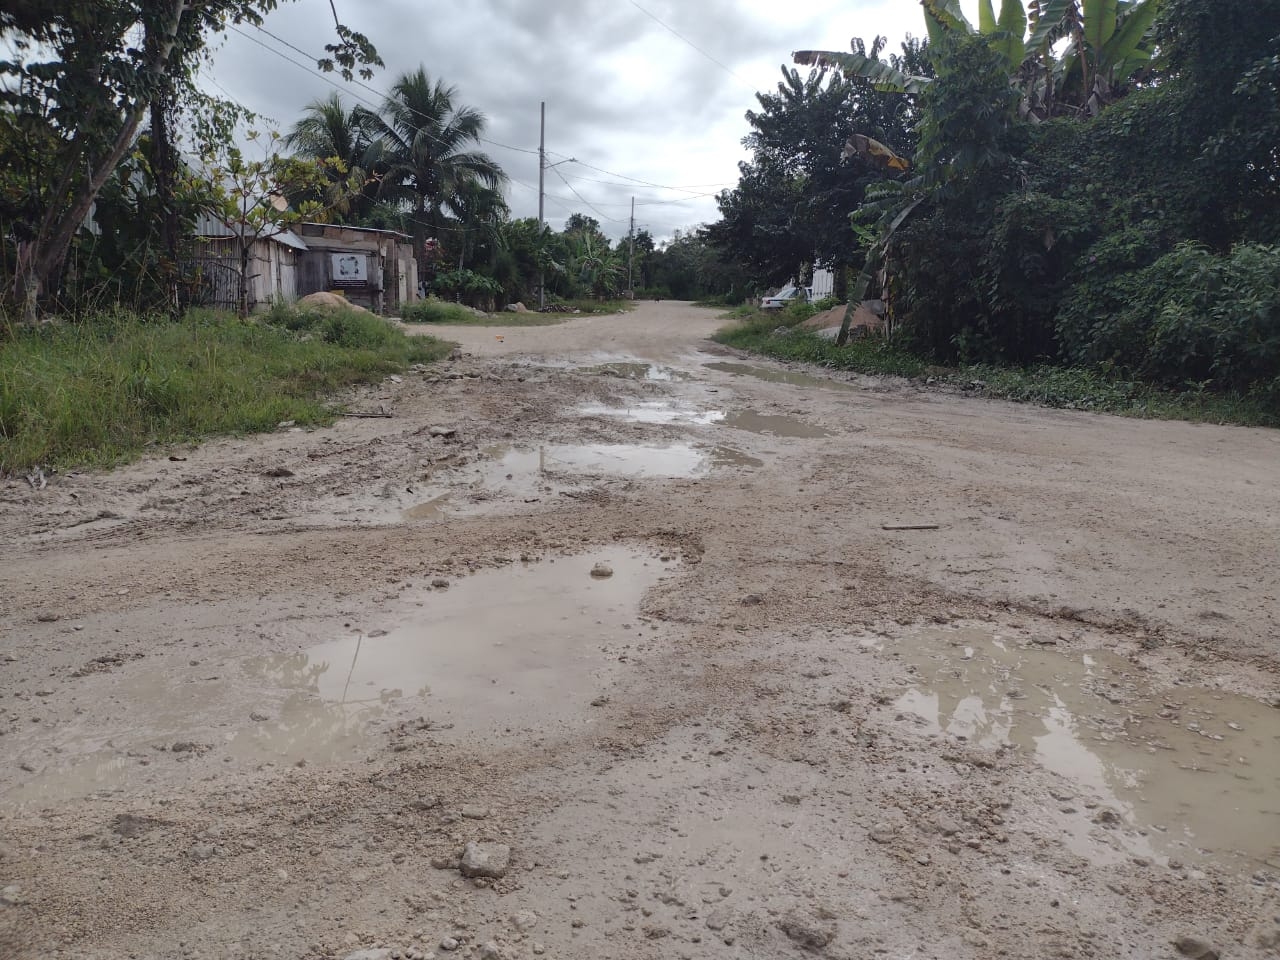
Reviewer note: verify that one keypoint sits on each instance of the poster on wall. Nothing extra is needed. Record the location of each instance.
(349, 269)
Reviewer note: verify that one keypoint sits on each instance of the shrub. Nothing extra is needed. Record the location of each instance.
(432, 310)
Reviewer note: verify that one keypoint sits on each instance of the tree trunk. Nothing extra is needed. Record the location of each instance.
(47, 251)
(244, 279)
(164, 169)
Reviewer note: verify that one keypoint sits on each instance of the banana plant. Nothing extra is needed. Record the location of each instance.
(1110, 41)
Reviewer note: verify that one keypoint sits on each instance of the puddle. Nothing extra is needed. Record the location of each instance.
(430, 510)
(773, 425)
(727, 457)
(635, 371)
(527, 645)
(654, 411)
(1192, 773)
(526, 466)
(615, 459)
(772, 375)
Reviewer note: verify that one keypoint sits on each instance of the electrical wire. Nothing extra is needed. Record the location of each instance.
(382, 96)
(681, 37)
(590, 206)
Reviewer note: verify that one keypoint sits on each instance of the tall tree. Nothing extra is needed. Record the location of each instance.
(92, 70)
(427, 141)
(342, 140)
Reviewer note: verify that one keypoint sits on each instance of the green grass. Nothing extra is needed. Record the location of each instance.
(98, 392)
(1049, 386)
(595, 307)
(443, 312)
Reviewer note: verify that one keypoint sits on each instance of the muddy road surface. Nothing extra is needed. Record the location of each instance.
(607, 643)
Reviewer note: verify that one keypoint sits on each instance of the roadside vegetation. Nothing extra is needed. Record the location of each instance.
(103, 390)
(1071, 202)
(436, 311)
(1074, 388)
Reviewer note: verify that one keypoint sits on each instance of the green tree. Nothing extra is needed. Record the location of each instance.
(343, 141)
(426, 141)
(794, 196)
(92, 71)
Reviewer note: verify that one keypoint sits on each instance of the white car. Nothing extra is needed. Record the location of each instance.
(785, 296)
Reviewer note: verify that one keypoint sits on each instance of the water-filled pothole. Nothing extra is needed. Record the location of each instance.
(772, 375)
(774, 425)
(635, 370)
(654, 411)
(528, 645)
(1182, 772)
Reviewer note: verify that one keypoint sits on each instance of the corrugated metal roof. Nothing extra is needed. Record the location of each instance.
(208, 226)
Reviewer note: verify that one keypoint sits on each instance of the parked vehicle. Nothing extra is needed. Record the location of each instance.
(785, 296)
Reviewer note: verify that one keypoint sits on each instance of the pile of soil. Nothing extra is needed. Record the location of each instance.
(329, 301)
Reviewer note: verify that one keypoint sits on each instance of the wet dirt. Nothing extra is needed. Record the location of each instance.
(636, 370)
(772, 424)
(654, 411)
(795, 378)
(489, 652)
(746, 749)
(1184, 772)
(495, 650)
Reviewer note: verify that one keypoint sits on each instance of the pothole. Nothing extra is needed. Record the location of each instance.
(774, 425)
(772, 375)
(428, 510)
(654, 411)
(1183, 772)
(527, 646)
(635, 371)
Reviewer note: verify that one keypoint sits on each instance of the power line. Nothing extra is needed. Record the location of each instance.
(574, 191)
(496, 143)
(378, 93)
(679, 36)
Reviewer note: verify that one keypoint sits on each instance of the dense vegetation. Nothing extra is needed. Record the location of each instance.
(1097, 186)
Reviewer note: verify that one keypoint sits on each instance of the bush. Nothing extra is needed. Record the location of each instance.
(432, 310)
(1191, 318)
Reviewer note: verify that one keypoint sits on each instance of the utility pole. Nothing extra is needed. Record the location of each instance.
(542, 223)
(631, 255)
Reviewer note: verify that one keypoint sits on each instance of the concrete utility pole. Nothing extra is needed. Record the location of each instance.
(631, 254)
(542, 181)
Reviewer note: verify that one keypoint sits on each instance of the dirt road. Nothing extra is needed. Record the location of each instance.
(643, 621)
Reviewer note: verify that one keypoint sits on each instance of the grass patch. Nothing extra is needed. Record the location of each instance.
(432, 310)
(1062, 387)
(98, 392)
(593, 307)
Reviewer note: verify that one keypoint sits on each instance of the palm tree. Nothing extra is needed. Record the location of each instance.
(477, 213)
(425, 141)
(341, 139)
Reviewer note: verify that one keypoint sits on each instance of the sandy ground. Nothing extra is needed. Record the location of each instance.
(636, 622)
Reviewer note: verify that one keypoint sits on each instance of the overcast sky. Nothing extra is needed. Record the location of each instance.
(623, 92)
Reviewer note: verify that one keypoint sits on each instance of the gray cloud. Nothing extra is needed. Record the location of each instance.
(622, 92)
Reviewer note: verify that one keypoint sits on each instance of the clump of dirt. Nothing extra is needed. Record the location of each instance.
(329, 301)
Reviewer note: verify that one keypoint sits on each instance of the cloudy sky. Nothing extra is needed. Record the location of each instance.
(636, 90)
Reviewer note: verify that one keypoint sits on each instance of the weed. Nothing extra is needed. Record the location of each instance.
(1064, 387)
(98, 392)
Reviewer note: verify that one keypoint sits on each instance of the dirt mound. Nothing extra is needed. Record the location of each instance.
(863, 316)
(329, 301)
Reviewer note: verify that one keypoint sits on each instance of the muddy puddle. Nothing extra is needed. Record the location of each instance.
(654, 411)
(523, 647)
(773, 425)
(628, 370)
(675, 412)
(1179, 773)
(772, 375)
(528, 466)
